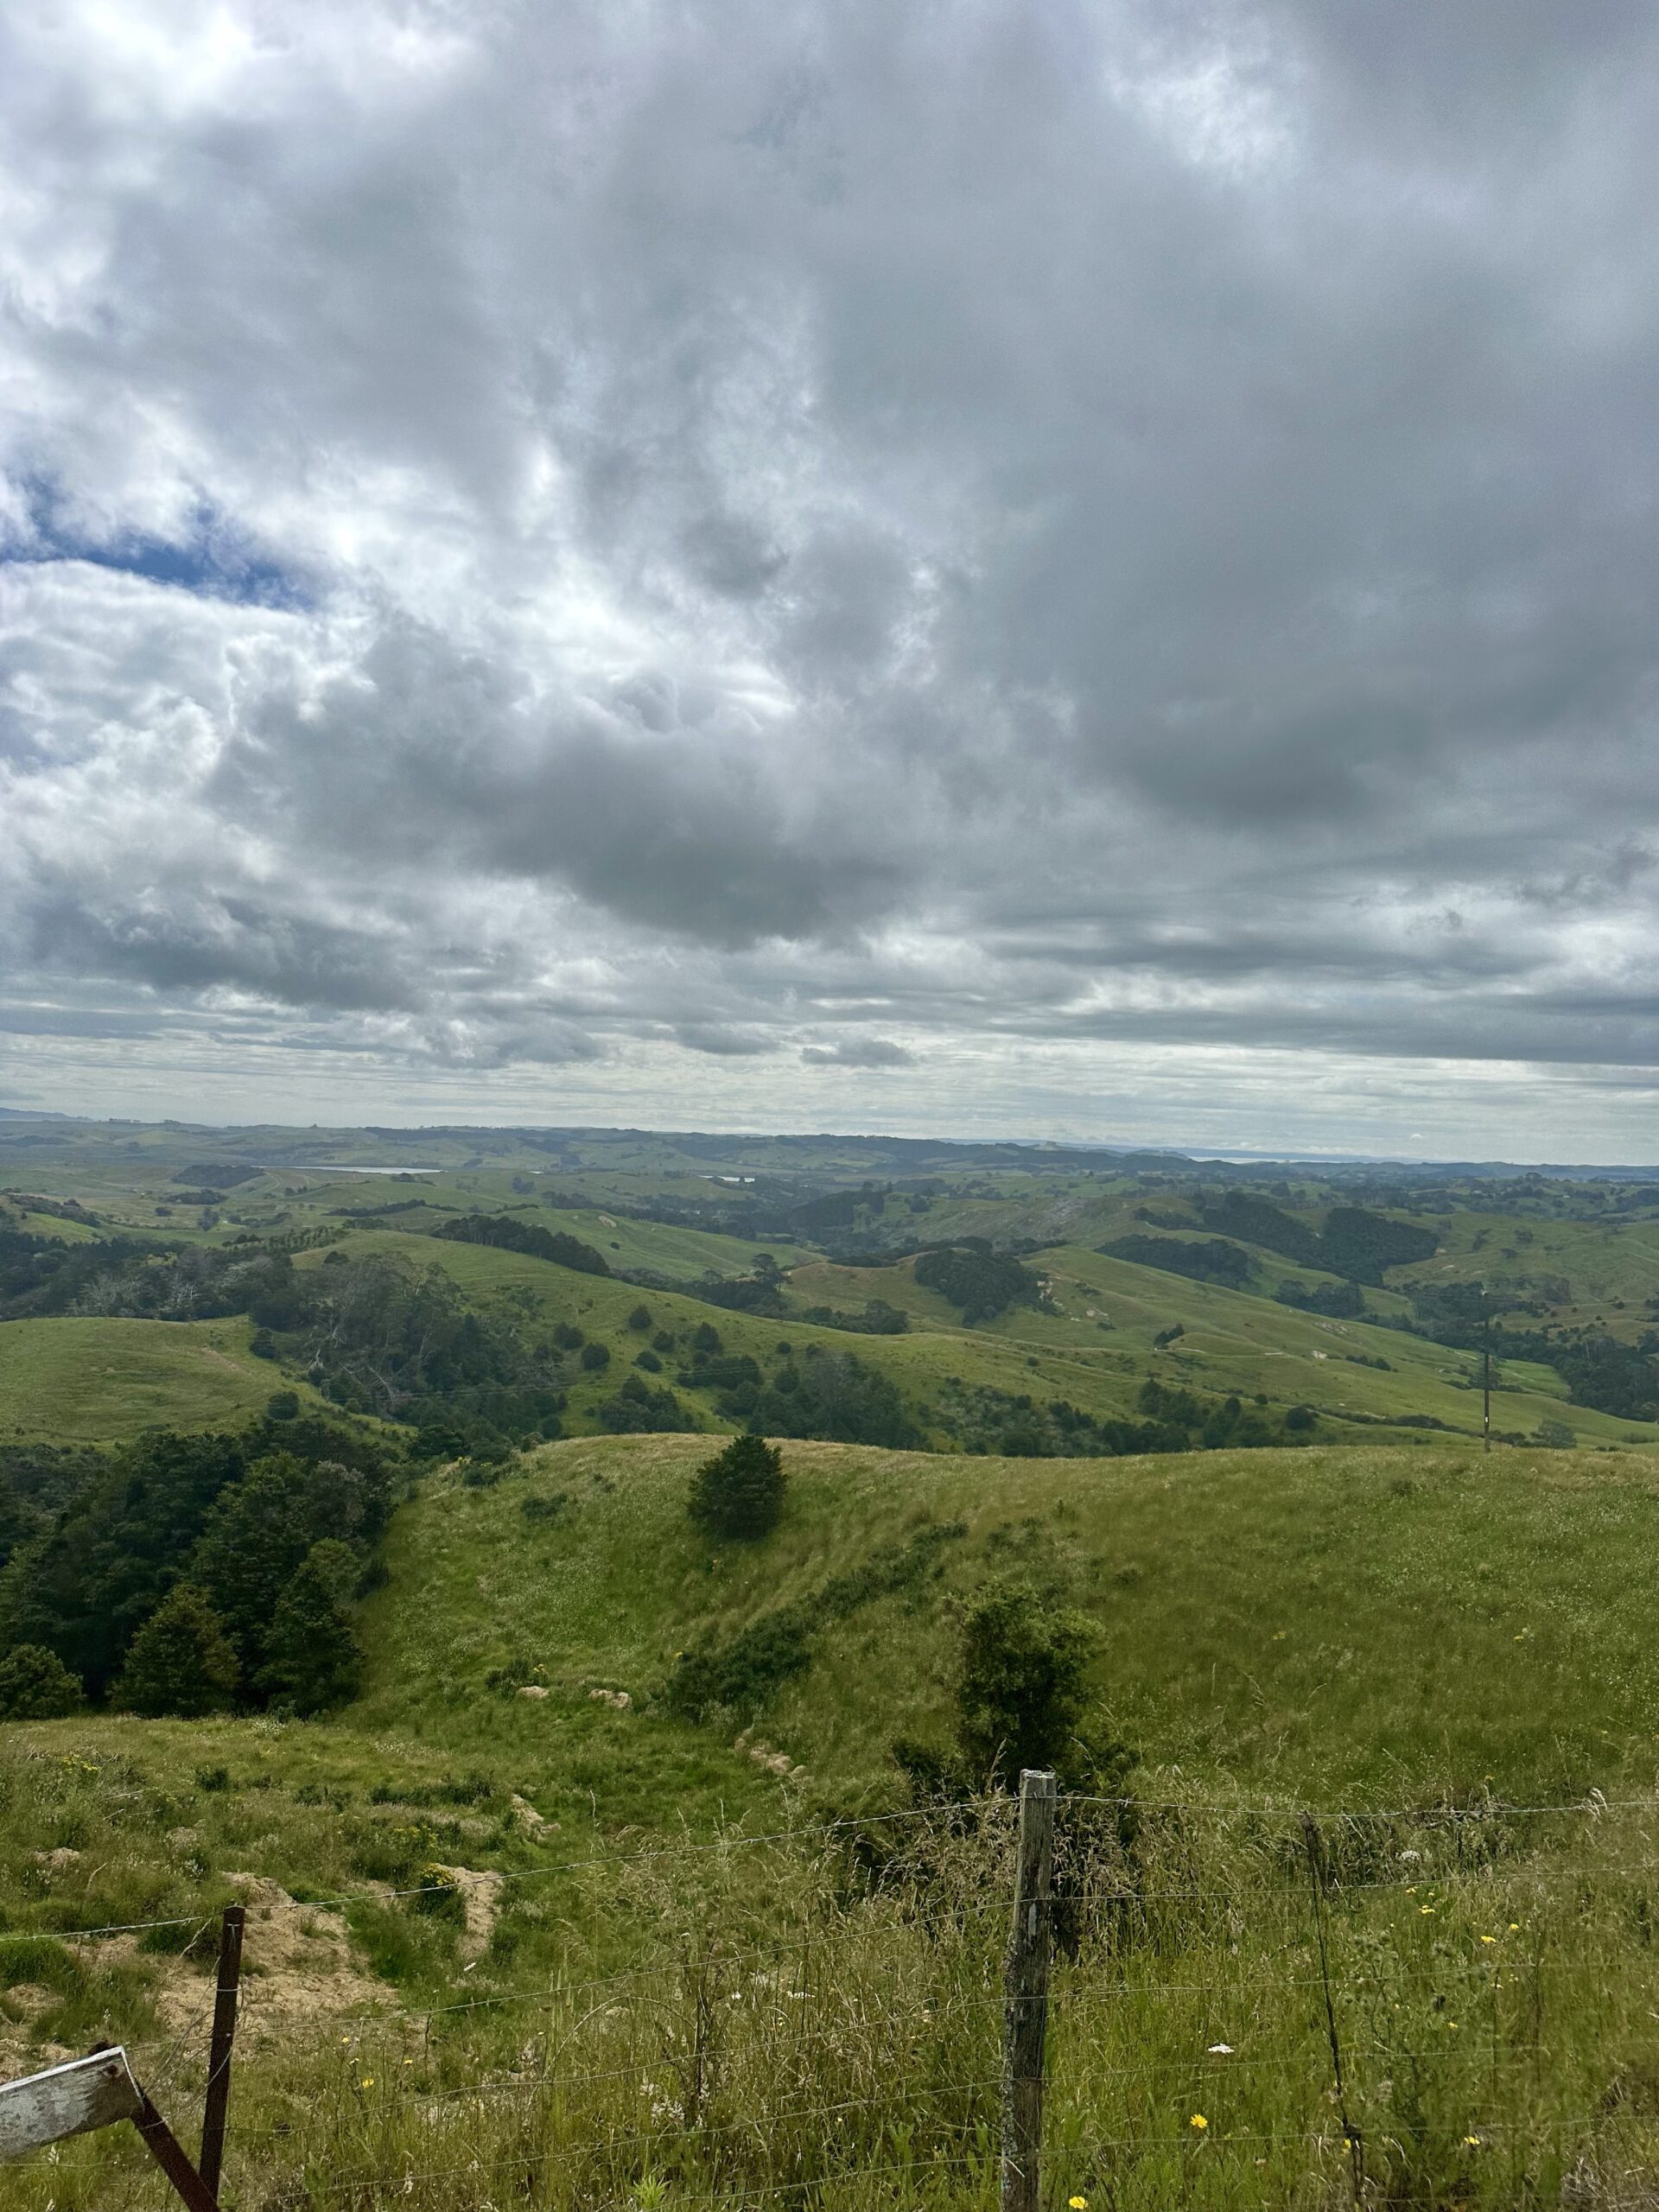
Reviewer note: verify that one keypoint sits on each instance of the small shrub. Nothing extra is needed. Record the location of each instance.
(283, 1405)
(739, 1491)
(439, 1894)
(595, 1357)
(745, 1672)
(641, 1317)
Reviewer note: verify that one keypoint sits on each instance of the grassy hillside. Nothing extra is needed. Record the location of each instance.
(89, 1381)
(1338, 1627)
(1317, 1622)
(1335, 1626)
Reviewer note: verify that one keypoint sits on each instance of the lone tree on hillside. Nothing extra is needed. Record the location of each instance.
(180, 1660)
(739, 1492)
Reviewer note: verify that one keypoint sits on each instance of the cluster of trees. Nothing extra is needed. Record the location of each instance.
(987, 1420)
(760, 1290)
(979, 1282)
(875, 1317)
(375, 1336)
(43, 1275)
(508, 1233)
(37, 1481)
(641, 1409)
(1224, 1424)
(1335, 1301)
(1601, 1371)
(1210, 1259)
(1352, 1241)
(830, 1395)
(185, 1573)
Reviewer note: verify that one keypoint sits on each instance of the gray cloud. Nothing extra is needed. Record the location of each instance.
(612, 540)
(858, 1052)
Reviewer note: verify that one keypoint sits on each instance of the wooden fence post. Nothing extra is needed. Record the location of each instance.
(218, 2057)
(1025, 2008)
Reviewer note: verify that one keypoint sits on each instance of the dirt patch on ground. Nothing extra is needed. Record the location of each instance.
(297, 1968)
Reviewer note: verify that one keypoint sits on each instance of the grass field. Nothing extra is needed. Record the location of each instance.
(88, 1381)
(1344, 1622)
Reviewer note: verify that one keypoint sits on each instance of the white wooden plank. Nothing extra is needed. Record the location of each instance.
(68, 2099)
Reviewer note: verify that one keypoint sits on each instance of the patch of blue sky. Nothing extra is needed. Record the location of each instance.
(210, 557)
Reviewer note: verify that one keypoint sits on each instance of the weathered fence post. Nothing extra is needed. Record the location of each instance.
(218, 2057)
(91, 2093)
(1024, 2007)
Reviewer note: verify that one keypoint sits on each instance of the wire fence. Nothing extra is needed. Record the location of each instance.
(1245, 2004)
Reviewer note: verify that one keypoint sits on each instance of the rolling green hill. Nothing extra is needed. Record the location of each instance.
(1339, 1627)
(1238, 1302)
(81, 1380)
(1335, 1621)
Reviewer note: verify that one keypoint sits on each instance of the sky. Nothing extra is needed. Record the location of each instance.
(1045, 568)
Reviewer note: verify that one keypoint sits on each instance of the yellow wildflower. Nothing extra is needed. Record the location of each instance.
(1079, 2203)
(1198, 2121)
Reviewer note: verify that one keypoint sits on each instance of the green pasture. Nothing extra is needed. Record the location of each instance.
(81, 1380)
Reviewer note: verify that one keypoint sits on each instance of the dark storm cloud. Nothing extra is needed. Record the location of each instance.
(582, 532)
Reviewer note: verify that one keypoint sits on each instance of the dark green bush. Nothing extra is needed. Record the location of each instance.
(1022, 1683)
(36, 1685)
